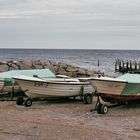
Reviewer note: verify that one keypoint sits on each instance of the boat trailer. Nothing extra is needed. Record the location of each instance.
(100, 107)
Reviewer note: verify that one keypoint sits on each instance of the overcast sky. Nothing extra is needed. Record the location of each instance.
(70, 24)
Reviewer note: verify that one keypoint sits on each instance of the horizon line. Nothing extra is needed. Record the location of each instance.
(71, 49)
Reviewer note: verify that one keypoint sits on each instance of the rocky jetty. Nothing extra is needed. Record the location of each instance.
(56, 67)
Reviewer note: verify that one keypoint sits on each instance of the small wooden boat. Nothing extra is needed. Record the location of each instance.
(36, 87)
(123, 89)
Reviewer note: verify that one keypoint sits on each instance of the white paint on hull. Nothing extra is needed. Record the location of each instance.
(58, 89)
(108, 87)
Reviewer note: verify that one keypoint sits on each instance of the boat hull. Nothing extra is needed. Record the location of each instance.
(119, 98)
(108, 87)
(40, 89)
(120, 91)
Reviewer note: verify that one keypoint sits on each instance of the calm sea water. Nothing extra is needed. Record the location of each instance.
(83, 58)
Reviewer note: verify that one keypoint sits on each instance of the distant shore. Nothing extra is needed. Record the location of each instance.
(56, 67)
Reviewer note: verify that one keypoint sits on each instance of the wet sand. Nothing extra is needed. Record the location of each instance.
(67, 120)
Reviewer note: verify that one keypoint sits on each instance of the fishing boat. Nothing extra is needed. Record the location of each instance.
(9, 85)
(123, 89)
(36, 87)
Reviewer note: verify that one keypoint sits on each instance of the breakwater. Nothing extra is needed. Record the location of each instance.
(127, 66)
(58, 68)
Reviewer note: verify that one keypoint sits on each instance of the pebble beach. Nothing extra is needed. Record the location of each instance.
(71, 120)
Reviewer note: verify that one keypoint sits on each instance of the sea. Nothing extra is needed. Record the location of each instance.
(101, 60)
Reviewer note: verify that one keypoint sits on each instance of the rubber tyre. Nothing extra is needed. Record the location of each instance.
(84, 100)
(19, 101)
(28, 103)
(89, 98)
(104, 109)
(99, 108)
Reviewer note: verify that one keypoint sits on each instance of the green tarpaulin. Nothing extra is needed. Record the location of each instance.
(7, 76)
(130, 78)
(132, 86)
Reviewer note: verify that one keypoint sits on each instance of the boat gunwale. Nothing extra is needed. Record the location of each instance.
(55, 82)
(115, 81)
(108, 80)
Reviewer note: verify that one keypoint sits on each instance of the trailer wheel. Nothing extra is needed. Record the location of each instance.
(28, 103)
(20, 101)
(104, 109)
(84, 100)
(87, 99)
(98, 108)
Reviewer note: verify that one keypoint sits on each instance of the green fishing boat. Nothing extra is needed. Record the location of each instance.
(123, 89)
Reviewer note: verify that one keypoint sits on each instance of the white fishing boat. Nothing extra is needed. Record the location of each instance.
(11, 86)
(123, 89)
(36, 87)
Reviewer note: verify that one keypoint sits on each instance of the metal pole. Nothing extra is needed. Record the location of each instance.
(98, 63)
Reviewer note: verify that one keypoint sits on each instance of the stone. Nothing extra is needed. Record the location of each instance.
(46, 67)
(9, 64)
(90, 73)
(69, 74)
(64, 73)
(54, 63)
(4, 62)
(74, 74)
(28, 63)
(39, 66)
(62, 65)
(99, 73)
(56, 68)
(15, 62)
(4, 68)
(14, 67)
(81, 71)
(46, 63)
(22, 66)
(71, 68)
(37, 62)
(61, 71)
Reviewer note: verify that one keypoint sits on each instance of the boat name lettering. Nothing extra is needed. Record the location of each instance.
(41, 84)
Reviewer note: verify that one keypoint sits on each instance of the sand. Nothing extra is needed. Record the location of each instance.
(67, 120)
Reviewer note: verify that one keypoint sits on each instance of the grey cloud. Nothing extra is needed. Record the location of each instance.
(90, 8)
(63, 23)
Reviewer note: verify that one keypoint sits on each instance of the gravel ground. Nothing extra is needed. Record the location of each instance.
(67, 120)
